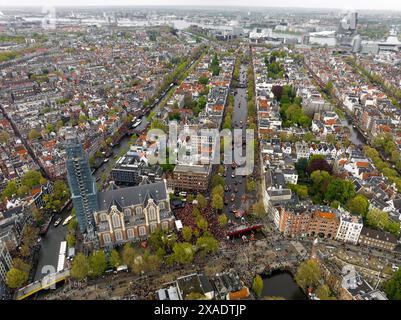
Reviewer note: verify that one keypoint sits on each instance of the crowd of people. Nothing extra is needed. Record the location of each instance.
(187, 218)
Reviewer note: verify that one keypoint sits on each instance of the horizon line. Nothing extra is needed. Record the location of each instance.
(188, 6)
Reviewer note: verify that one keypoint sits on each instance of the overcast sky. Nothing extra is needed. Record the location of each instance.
(342, 4)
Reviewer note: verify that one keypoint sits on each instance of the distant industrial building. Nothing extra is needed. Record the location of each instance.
(348, 24)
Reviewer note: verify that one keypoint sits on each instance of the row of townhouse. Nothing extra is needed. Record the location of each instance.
(326, 222)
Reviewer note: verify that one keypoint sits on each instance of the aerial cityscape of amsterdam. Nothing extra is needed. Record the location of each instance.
(200, 152)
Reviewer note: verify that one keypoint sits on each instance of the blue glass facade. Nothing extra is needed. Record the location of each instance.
(82, 184)
(5, 265)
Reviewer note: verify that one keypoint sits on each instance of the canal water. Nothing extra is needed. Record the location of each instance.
(239, 115)
(282, 284)
(356, 137)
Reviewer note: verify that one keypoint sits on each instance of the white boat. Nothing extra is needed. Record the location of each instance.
(137, 123)
(57, 222)
(67, 220)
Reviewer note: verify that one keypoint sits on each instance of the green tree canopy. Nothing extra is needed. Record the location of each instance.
(358, 205)
(250, 185)
(222, 219)
(195, 296)
(97, 263)
(393, 286)
(16, 278)
(4, 136)
(217, 202)
(320, 182)
(58, 197)
(128, 254)
(218, 190)
(341, 190)
(308, 274)
(21, 265)
(378, 219)
(195, 212)
(10, 189)
(202, 202)
(202, 223)
(187, 233)
(323, 293)
(207, 244)
(32, 178)
(33, 134)
(300, 189)
(183, 253)
(257, 285)
(301, 166)
(80, 267)
(71, 240)
(218, 180)
(203, 80)
(114, 259)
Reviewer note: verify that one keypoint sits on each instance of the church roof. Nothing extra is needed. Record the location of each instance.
(124, 197)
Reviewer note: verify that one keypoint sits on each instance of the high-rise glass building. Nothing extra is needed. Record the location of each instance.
(82, 184)
(5, 265)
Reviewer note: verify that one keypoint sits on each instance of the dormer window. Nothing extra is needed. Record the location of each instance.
(138, 211)
(161, 205)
